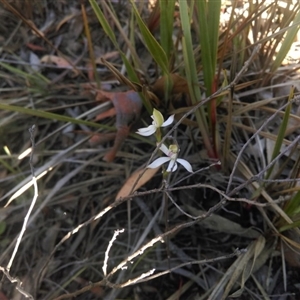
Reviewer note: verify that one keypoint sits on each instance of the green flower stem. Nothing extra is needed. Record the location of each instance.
(158, 135)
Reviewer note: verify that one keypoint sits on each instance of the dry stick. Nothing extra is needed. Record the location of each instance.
(19, 239)
(227, 197)
(178, 207)
(116, 233)
(258, 175)
(237, 252)
(206, 186)
(159, 238)
(218, 163)
(249, 141)
(287, 180)
(75, 230)
(19, 283)
(31, 130)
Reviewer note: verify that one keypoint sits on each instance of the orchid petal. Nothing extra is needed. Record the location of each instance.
(147, 130)
(172, 167)
(185, 164)
(168, 122)
(157, 118)
(164, 149)
(158, 162)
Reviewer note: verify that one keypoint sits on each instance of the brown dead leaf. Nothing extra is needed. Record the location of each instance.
(135, 177)
(106, 56)
(34, 47)
(180, 85)
(65, 20)
(127, 108)
(101, 138)
(59, 61)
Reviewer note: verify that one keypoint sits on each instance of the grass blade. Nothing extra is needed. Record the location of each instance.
(52, 116)
(153, 46)
(191, 74)
(287, 43)
(281, 133)
(166, 25)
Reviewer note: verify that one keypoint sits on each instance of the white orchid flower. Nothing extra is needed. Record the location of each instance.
(172, 153)
(158, 121)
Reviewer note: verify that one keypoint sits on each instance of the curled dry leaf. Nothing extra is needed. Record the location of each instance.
(179, 85)
(65, 20)
(101, 138)
(135, 179)
(34, 47)
(122, 133)
(127, 108)
(59, 61)
(107, 55)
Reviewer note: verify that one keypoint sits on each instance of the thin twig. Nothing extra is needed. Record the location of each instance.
(160, 238)
(34, 182)
(237, 252)
(248, 142)
(116, 233)
(178, 207)
(19, 239)
(19, 283)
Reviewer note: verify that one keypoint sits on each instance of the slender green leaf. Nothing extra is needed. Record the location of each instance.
(166, 33)
(105, 25)
(208, 16)
(36, 76)
(153, 46)
(166, 25)
(293, 205)
(281, 133)
(286, 43)
(191, 73)
(289, 226)
(213, 21)
(52, 116)
(204, 41)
